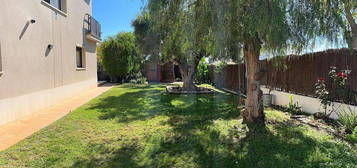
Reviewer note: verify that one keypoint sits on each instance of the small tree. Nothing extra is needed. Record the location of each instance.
(120, 56)
(183, 27)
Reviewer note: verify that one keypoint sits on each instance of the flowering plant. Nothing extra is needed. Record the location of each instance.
(339, 77)
(323, 93)
(338, 91)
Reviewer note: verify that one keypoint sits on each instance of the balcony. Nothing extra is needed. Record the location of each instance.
(92, 28)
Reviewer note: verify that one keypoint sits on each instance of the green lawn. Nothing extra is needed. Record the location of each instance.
(129, 127)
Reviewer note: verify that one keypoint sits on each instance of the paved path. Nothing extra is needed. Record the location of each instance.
(15, 131)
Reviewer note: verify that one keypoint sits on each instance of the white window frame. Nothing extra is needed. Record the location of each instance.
(83, 59)
(62, 10)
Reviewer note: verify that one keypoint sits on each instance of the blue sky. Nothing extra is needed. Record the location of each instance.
(116, 15)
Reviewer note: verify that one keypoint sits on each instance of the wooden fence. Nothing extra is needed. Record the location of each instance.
(231, 77)
(294, 74)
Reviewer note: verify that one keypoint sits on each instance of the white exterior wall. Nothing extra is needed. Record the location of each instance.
(308, 104)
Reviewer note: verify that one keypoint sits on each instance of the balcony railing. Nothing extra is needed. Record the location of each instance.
(93, 28)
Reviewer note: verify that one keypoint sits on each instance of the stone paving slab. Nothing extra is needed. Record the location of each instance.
(15, 131)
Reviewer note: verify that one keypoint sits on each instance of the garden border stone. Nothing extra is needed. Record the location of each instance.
(200, 90)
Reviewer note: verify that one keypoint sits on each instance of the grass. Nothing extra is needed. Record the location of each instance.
(143, 127)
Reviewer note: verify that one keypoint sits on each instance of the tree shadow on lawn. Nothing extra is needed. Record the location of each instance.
(148, 102)
(285, 145)
(207, 146)
(128, 107)
(201, 136)
(107, 157)
(290, 147)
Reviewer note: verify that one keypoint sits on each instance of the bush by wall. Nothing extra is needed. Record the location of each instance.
(119, 56)
(202, 75)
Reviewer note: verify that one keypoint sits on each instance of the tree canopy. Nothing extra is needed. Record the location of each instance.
(192, 29)
(184, 30)
(147, 39)
(344, 13)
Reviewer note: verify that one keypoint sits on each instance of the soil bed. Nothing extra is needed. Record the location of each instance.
(318, 121)
(178, 90)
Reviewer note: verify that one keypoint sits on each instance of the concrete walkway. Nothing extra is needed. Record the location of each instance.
(15, 131)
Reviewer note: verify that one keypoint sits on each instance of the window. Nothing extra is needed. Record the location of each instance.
(80, 60)
(58, 4)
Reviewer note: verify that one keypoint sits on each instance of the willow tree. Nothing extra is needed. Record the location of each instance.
(346, 12)
(350, 7)
(184, 30)
(343, 11)
(273, 25)
(147, 39)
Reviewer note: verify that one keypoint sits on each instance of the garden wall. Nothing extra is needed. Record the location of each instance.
(308, 104)
(296, 74)
(293, 75)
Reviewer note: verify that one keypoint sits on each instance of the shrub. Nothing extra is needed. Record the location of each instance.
(348, 118)
(202, 75)
(133, 81)
(218, 68)
(138, 78)
(323, 94)
(294, 108)
(119, 56)
(353, 136)
(338, 92)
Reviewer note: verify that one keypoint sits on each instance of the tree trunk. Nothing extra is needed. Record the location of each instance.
(254, 110)
(188, 83)
(188, 73)
(353, 26)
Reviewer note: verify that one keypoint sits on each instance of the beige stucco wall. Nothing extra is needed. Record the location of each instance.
(29, 68)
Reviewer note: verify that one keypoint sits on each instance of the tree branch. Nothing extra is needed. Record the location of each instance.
(350, 19)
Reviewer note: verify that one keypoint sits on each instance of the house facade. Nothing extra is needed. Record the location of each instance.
(47, 53)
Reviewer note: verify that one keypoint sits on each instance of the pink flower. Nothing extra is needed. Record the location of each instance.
(342, 75)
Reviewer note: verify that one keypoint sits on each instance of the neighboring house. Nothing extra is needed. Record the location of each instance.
(47, 53)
